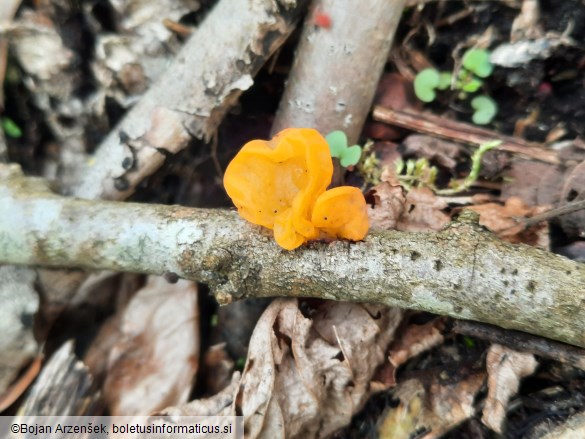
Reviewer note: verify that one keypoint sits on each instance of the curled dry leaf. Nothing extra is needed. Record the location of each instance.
(307, 377)
(414, 340)
(153, 360)
(220, 404)
(441, 151)
(435, 409)
(503, 221)
(423, 212)
(505, 368)
(388, 205)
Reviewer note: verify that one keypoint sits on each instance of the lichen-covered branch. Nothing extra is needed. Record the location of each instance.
(189, 100)
(462, 271)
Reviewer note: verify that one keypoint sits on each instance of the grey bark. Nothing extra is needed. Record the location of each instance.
(189, 100)
(336, 70)
(462, 271)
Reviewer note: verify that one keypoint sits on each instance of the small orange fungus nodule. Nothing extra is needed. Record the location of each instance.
(281, 184)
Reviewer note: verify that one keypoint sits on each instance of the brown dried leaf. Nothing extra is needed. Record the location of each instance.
(428, 147)
(307, 377)
(423, 212)
(436, 409)
(503, 221)
(154, 358)
(505, 368)
(388, 206)
(220, 404)
(412, 341)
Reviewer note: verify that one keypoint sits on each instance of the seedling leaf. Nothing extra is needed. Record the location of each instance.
(425, 83)
(350, 156)
(337, 141)
(472, 85)
(478, 62)
(485, 110)
(444, 80)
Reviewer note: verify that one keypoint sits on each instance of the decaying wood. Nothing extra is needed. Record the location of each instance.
(461, 132)
(338, 65)
(462, 271)
(189, 100)
(65, 382)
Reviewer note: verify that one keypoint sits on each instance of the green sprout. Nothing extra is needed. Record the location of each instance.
(478, 62)
(369, 166)
(420, 173)
(10, 128)
(475, 66)
(427, 81)
(485, 109)
(347, 155)
(475, 168)
(416, 173)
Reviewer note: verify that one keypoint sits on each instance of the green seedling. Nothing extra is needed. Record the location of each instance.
(475, 168)
(347, 155)
(420, 173)
(429, 80)
(478, 62)
(485, 110)
(417, 173)
(475, 66)
(10, 128)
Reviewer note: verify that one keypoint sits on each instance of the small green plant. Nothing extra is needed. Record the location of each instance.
(347, 155)
(369, 165)
(10, 128)
(485, 109)
(419, 173)
(476, 66)
(429, 80)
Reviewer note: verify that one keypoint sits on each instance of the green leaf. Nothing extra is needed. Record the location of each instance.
(351, 156)
(472, 85)
(478, 62)
(10, 128)
(337, 141)
(425, 83)
(444, 80)
(485, 110)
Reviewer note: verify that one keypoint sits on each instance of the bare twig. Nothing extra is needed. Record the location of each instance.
(461, 132)
(523, 342)
(337, 67)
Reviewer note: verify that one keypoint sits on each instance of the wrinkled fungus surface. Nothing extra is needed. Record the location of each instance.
(281, 184)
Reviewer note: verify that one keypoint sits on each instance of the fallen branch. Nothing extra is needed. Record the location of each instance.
(337, 66)
(189, 100)
(461, 132)
(463, 271)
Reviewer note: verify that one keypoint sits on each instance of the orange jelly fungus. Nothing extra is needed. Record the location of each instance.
(281, 184)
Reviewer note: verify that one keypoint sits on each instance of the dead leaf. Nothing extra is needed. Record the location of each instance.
(220, 368)
(153, 360)
(431, 148)
(388, 206)
(503, 221)
(573, 189)
(434, 409)
(412, 341)
(423, 212)
(307, 377)
(505, 368)
(220, 404)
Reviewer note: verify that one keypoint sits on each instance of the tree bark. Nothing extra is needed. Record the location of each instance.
(462, 271)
